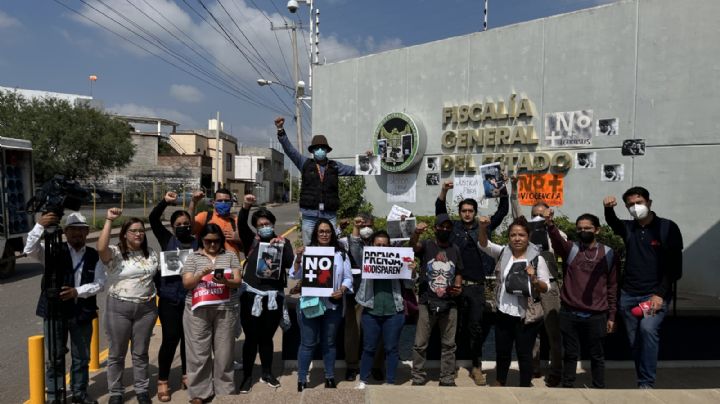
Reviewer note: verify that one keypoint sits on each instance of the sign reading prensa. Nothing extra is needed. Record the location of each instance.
(208, 292)
(534, 188)
(387, 262)
(318, 265)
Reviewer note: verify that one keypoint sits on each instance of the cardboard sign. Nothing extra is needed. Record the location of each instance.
(172, 262)
(387, 262)
(318, 266)
(533, 188)
(207, 292)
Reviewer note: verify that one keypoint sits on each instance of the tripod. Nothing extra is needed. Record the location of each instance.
(53, 281)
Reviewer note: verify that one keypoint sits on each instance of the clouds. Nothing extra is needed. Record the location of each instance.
(186, 93)
(7, 21)
(133, 109)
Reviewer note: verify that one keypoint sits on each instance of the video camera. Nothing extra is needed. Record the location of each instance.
(56, 195)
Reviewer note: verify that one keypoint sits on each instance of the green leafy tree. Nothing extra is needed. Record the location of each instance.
(352, 197)
(78, 142)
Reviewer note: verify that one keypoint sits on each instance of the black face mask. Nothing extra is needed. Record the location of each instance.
(443, 236)
(586, 237)
(183, 233)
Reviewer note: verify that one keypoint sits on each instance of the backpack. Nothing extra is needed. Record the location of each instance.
(209, 217)
(575, 249)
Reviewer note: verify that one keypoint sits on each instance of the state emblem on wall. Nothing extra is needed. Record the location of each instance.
(399, 141)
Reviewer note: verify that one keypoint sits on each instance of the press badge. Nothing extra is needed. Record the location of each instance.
(322, 206)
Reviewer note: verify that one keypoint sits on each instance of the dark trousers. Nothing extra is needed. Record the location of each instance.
(171, 319)
(471, 321)
(259, 332)
(509, 330)
(578, 332)
(80, 336)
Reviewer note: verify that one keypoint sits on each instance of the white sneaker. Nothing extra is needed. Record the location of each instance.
(360, 386)
(237, 365)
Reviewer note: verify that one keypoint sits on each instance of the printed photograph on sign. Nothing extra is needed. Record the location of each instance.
(401, 187)
(468, 187)
(318, 268)
(585, 159)
(534, 188)
(607, 127)
(367, 165)
(171, 262)
(400, 230)
(633, 147)
(432, 164)
(407, 145)
(432, 179)
(387, 262)
(566, 129)
(493, 182)
(612, 172)
(440, 271)
(382, 148)
(269, 260)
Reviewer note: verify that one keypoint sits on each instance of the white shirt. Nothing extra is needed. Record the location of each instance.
(36, 249)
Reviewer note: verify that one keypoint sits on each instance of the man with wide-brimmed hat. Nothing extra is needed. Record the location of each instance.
(319, 193)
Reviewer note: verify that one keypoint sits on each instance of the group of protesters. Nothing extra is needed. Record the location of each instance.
(462, 282)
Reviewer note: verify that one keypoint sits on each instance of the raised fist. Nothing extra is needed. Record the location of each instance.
(249, 199)
(484, 221)
(609, 202)
(113, 213)
(279, 122)
(197, 196)
(447, 185)
(421, 227)
(170, 197)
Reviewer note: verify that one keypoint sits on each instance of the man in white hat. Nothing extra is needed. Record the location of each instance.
(83, 277)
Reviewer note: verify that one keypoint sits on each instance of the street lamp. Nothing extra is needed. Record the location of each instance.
(263, 82)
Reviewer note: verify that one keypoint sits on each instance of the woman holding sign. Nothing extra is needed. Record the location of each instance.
(383, 316)
(320, 316)
(212, 276)
(522, 275)
(261, 304)
(170, 289)
(130, 312)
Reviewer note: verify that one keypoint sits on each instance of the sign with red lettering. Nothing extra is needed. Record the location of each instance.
(534, 188)
(207, 292)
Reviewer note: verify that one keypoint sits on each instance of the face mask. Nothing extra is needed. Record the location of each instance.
(443, 235)
(319, 154)
(586, 237)
(639, 211)
(222, 208)
(265, 232)
(366, 232)
(183, 232)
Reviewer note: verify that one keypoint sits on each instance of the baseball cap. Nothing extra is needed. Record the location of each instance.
(442, 218)
(76, 219)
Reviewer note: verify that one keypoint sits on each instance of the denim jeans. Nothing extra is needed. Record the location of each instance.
(389, 328)
(644, 336)
(308, 224)
(80, 336)
(318, 331)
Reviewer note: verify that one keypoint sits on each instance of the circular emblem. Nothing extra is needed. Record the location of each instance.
(398, 142)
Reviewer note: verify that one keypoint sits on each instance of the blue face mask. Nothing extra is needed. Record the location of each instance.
(265, 232)
(319, 154)
(222, 208)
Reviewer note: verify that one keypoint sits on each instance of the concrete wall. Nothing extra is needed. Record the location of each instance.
(653, 64)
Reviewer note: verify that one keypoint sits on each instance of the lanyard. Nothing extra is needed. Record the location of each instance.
(321, 174)
(79, 264)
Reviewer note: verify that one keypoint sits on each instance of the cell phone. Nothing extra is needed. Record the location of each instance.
(219, 272)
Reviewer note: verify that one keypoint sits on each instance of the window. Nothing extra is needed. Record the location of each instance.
(228, 161)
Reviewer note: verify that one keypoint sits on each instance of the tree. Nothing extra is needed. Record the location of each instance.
(78, 142)
(352, 197)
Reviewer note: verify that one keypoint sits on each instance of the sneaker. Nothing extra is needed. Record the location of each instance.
(447, 384)
(270, 380)
(478, 376)
(116, 399)
(330, 383)
(246, 385)
(83, 399)
(301, 386)
(419, 382)
(237, 365)
(351, 374)
(360, 386)
(645, 387)
(552, 381)
(143, 398)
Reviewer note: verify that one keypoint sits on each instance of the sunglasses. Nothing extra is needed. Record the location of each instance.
(211, 240)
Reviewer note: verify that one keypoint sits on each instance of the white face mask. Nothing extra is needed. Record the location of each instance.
(366, 232)
(639, 211)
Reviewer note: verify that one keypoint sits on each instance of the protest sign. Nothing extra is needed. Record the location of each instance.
(468, 187)
(573, 128)
(367, 165)
(208, 292)
(401, 230)
(493, 182)
(533, 188)
(269, 260)
(387, 262)
(318, 271)
(397, 212)
(171, 262)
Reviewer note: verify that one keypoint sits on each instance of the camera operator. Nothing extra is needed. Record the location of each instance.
(82, 277)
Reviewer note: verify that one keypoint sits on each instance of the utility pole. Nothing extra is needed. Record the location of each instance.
(296, 77)
(217, 151)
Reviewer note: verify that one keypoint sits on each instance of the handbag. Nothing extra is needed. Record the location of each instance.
(517, 281)
(437, 305)
(312, 306)
(410, 305)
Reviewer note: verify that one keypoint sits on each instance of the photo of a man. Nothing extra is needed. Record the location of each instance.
(269, 261)
(607, 127)
(612, 172)
(431, 164)
(633, 147)
(171, 262)
(585, 159)
(367, 165)
(432, 179)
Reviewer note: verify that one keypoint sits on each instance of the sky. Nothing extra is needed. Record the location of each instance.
(183, 60)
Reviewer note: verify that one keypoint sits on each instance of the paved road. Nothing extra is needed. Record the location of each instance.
(18, 298)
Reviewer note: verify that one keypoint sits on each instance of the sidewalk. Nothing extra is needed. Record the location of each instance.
(677, 382)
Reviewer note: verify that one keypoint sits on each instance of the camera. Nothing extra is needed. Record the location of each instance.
(292, 6)
(56, 195)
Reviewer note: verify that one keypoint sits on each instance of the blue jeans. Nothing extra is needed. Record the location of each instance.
(308, 223)
(80, 336)
(319, 330)
(644, 336)
(373, 327)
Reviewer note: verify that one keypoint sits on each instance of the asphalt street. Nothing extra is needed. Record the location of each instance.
(18, 299)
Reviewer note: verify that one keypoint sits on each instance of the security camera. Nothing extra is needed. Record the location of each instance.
(292, 6)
